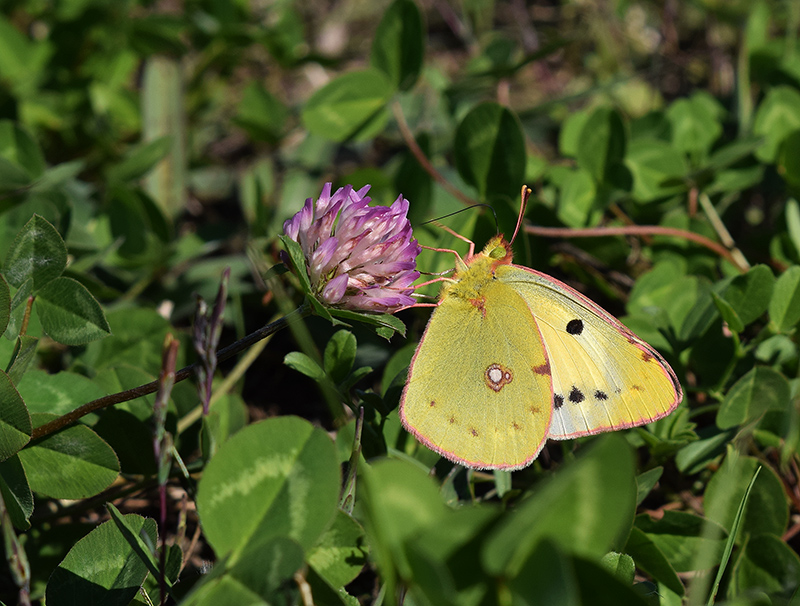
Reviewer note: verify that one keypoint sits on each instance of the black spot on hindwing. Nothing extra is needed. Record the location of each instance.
(575, 327)
(576, 395)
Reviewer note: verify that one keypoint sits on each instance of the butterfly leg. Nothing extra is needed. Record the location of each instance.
(457, 235)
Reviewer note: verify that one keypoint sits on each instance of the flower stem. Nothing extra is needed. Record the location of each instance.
(184, 373)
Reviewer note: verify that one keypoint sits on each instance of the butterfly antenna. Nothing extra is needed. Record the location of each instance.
(461, 211)
(526, 193)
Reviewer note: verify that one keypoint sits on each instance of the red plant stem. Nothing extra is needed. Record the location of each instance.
(26, 318)
(423, 160)
(636, 230)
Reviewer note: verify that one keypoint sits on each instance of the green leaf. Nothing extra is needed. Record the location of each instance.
(569, 137)
(398, 47)
(74, 463)
(24, 355)
(223, 590)
(766, 564)
(432, 582)
(341, 551)
(736, 179)
(688, 542)
(15, 421)
(17, 495)
(784, 306)
(734, 533)
(267, 565)
(385, 325)
(20, 148)
(695, 123)
(490, 151)
(650, 558)
(701, 315)
(777, 116)
(37, 252)
(593, 581)
(19, 303)
(302, 363)
(139, 160)
(5, 304)
(453, 538)
(101, 568)
(298, 261)
(143, 546)
(137, 339)
(602, 481)
(351, 106)
(602, 143)
(620, 565)
(760, 390)
(340, 354)
(749, 295)
(789, 159)
(128, 222)
(57, 393)
(577, 196)
(261, 576)
(70, 314)
(131, 439)
(546, 577)
(729, 316)
(767, 509)
(502, 482)
(12, 177)
(261, 113)
(227, 415)
(657, 168)
(645, 482)
(399, 501)
(280, 475)
(694, 457)
(733, 152)
(793, 222)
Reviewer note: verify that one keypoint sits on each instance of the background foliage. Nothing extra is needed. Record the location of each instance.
(146, 146)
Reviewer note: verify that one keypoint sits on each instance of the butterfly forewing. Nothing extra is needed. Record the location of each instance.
(604, 377)
(479, 387)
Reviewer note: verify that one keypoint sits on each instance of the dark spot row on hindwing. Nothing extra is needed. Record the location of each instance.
(576, 396)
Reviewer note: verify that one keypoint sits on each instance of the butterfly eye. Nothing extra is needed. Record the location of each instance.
(498, 252)
(575, 327)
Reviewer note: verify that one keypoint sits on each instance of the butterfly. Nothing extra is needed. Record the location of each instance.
(512, 357)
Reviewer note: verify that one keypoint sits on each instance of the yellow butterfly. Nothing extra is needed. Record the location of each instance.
(512, 356)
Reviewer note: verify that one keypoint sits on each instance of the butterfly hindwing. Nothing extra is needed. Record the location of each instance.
(604, 377)
(479, 388)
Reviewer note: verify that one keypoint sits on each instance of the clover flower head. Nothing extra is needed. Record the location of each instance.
(357, 257)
